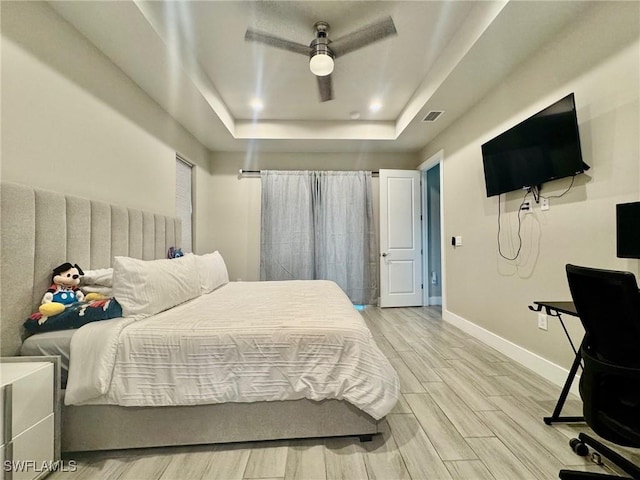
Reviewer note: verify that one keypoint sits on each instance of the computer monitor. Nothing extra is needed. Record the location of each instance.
(628, 230)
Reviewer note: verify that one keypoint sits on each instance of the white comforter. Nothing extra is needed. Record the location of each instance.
(244, 342)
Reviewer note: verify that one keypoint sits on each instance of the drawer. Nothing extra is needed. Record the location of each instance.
(32, 399)
(34, 446)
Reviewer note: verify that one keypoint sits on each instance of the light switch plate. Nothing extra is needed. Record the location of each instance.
(542, 321)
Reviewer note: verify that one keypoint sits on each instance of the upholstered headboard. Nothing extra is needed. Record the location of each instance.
(43, 229)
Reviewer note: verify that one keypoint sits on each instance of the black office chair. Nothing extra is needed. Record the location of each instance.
(608, 303)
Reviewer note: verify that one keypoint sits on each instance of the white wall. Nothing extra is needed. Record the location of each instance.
(73, 122)
(234, 203)
(598, 58)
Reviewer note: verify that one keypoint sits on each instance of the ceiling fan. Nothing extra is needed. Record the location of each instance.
(322, 52)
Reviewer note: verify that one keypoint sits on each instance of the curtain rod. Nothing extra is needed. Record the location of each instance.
(257, 172)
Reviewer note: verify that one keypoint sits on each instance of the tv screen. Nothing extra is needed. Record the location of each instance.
(543, 147)
(628, 230)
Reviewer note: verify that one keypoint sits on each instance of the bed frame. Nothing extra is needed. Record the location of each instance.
(42, 229)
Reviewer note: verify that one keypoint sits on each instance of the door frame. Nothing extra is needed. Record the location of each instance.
(432, 161)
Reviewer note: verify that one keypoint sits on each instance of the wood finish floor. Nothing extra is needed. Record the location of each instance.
(466, 412)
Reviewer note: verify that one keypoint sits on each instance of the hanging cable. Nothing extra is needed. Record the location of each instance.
(519, 226)
(535, 190)
(573, 179)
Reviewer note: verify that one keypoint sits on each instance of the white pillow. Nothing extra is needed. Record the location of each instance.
(100, 276)
(98, 281)
(102, 290)
(212, 271)
(146, 287)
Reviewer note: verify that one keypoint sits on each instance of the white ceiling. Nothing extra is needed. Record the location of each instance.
(191, 57)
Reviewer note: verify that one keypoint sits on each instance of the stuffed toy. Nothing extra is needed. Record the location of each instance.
(63, 291)
(175, 253)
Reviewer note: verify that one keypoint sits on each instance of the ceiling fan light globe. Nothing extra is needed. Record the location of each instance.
(321, 64)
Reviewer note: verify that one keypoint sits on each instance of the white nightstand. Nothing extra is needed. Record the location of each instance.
(29, 423)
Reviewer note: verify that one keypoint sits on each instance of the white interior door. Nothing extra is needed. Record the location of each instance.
(400, 239)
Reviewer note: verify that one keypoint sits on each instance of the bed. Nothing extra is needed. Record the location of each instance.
(41, 229)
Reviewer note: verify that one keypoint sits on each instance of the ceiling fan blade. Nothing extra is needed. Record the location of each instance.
(325, 86)
(363, 37)
(281, 43)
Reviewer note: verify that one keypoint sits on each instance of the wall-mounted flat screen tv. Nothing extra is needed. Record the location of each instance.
(543, 147)
(628, 230)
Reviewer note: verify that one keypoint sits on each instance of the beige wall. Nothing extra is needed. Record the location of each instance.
(234, 203)
(73, 122)
(598, 59)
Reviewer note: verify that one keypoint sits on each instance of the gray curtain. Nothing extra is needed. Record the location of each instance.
(345, 249)
(286, 233)
(335, 212)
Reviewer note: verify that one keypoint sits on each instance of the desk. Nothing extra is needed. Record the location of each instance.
(557, 309)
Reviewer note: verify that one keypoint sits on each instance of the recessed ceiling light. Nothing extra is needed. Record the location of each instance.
(375, 106)
(256, 104)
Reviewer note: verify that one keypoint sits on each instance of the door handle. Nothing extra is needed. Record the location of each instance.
(385, 254)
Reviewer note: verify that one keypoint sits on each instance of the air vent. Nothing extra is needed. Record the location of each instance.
(432, 116)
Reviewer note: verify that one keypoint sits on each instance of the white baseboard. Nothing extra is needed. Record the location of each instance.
(543, 367)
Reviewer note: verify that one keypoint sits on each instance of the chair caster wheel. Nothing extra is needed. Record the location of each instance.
(579, 447)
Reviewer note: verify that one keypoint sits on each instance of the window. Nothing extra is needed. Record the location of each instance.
(183, 200)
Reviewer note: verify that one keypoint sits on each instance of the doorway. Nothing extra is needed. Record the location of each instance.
(411, 213)
(431, 175)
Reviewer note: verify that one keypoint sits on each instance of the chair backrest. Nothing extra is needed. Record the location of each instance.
(608, 304)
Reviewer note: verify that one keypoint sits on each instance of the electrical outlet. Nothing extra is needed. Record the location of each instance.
(544, 203)
(527, 207)
(542, 321)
